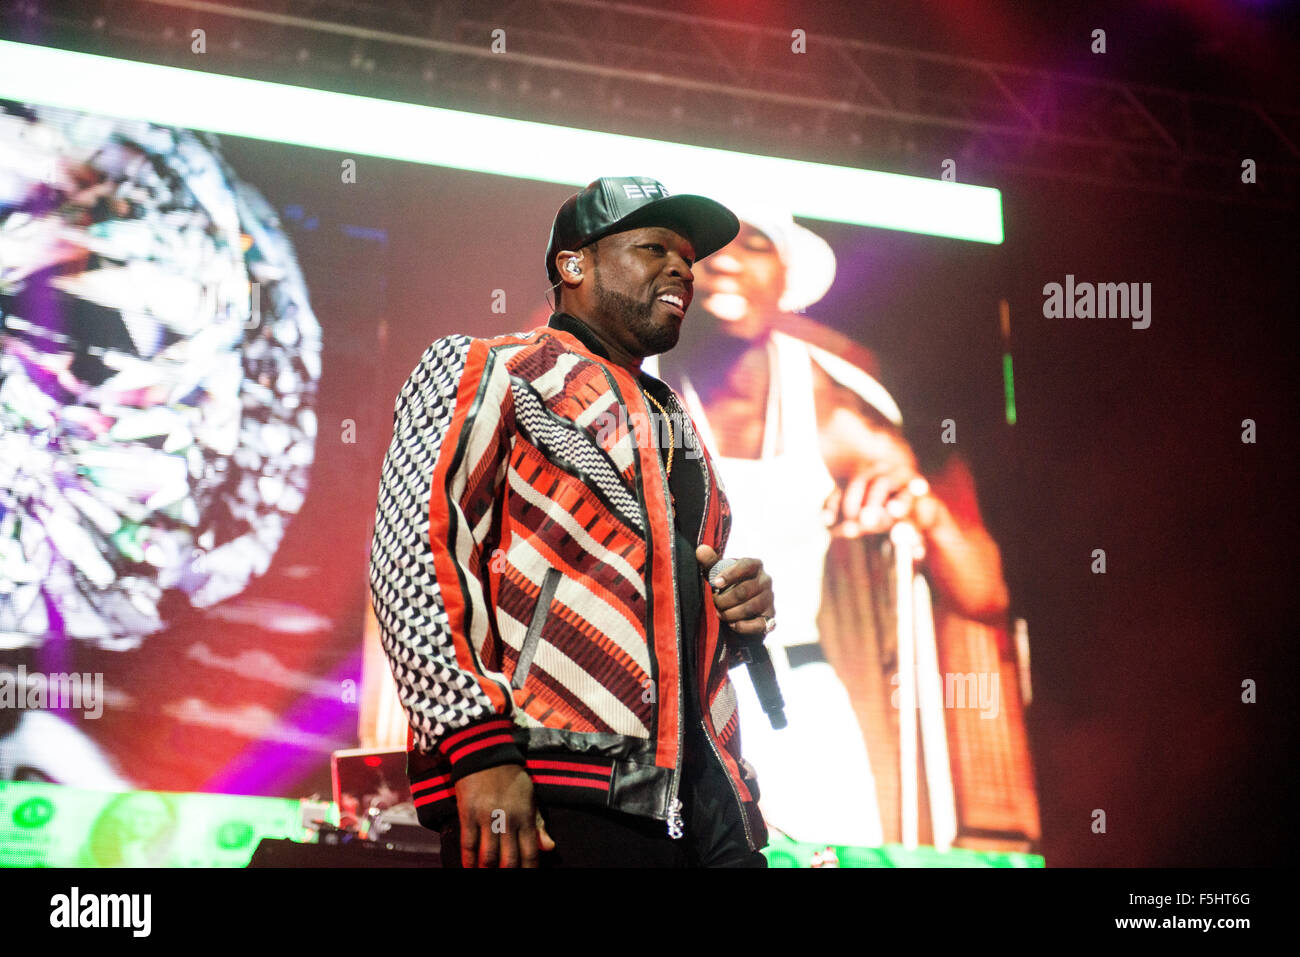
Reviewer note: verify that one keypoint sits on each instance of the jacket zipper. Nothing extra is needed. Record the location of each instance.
(699, 535)
(744, 818)
(676, 825)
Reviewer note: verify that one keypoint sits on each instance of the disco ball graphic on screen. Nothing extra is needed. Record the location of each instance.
(158, 368)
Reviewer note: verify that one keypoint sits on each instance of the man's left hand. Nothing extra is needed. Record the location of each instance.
(744, 596)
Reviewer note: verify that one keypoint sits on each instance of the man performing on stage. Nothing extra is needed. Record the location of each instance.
(546, 520)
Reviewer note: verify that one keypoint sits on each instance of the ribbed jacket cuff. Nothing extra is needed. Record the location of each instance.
(484, 744)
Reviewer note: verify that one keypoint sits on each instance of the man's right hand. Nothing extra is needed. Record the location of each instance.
(500, 825)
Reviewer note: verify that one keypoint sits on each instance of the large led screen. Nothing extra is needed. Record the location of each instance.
(205, 328)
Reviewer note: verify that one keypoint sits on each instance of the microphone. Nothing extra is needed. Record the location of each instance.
(757, 662)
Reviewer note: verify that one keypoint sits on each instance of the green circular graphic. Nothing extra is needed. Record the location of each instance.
(33, 813)
(234, 834)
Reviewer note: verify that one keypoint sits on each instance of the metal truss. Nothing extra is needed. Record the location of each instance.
(627, 68)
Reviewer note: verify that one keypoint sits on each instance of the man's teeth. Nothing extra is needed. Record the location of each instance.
(670, 298)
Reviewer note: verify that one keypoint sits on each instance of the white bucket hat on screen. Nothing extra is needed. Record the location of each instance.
(808, 259)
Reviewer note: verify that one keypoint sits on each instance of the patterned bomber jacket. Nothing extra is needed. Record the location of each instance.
(523, 576)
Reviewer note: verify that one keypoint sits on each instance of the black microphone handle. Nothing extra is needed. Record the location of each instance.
(758, 663)
(763, 677)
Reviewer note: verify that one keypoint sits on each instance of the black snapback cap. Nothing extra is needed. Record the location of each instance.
(613, 204)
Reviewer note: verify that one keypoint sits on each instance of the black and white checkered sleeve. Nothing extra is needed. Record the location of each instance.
(463, 713)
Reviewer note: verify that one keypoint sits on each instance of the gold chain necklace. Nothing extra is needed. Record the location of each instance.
(671, 443)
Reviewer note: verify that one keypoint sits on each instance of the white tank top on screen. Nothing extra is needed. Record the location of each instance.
(814, 776)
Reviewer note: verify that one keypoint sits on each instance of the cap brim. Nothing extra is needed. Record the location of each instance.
(710, 225)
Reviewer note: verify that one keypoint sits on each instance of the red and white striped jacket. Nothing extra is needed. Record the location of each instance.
(523, 576)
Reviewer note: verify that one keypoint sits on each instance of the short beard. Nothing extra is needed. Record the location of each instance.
(635, 317)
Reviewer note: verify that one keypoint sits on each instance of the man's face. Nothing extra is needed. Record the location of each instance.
(745, 279)
(636, 275)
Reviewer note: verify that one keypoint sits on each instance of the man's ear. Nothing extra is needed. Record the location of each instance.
(569, 265)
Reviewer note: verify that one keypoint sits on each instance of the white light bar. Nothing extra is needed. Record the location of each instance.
(363, 125)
